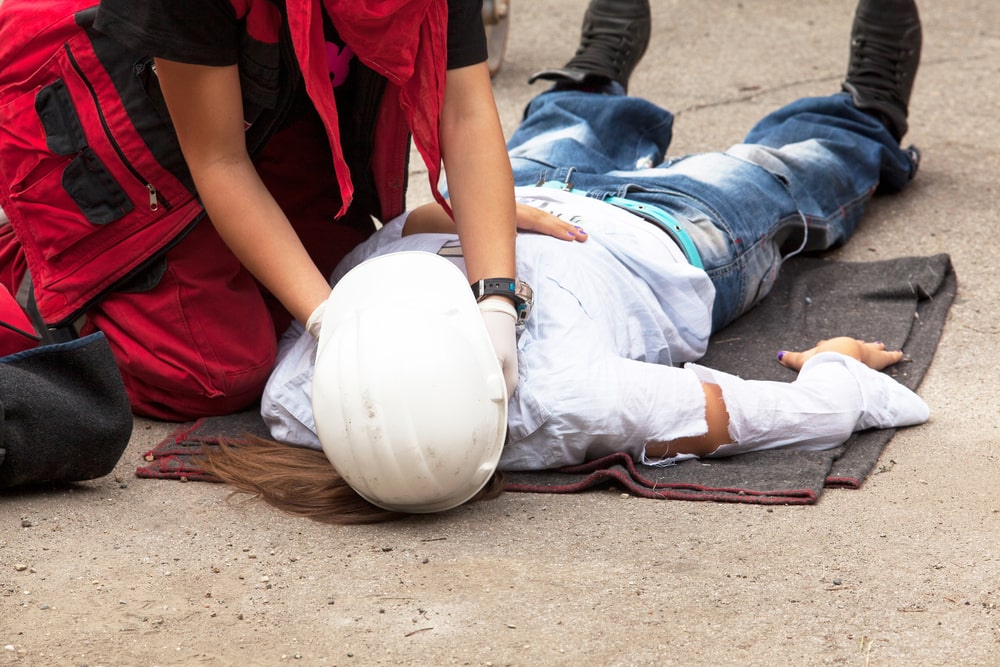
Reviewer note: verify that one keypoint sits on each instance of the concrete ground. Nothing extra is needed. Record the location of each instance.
(905, 571)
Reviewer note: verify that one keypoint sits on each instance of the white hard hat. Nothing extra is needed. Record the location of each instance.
(408, 396)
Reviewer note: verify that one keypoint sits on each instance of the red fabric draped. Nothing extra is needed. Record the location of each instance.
(404, 40)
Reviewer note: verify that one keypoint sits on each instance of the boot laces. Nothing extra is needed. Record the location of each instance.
(878, 67)
(601, 49)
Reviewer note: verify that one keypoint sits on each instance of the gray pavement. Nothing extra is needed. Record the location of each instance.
(905, 571)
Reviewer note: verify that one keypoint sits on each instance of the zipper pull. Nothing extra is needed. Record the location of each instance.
(154, 203)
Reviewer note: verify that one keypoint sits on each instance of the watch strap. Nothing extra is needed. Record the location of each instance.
(512, 288)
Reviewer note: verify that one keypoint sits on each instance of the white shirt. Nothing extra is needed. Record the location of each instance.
(601, 356)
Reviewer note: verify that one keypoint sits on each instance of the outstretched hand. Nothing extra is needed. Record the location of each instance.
(873, 355)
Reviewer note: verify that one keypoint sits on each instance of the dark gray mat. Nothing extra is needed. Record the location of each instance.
(903, 302)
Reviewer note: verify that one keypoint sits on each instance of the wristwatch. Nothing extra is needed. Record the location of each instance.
(516, 290)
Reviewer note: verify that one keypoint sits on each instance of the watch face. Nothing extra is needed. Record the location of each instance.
(524, 298)
(524, 291)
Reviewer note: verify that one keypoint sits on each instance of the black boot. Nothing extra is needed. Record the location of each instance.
(885, 53)
(613, 39)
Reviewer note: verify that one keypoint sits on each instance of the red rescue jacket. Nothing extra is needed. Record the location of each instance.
(91, 173)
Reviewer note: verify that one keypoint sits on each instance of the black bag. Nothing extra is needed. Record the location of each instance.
(64, 414)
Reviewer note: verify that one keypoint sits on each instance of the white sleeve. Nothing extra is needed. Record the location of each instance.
(833, 396)
(286, 405)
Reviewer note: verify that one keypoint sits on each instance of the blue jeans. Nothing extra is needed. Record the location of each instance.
(799, 182)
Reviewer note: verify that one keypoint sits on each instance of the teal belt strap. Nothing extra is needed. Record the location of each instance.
(657, 216)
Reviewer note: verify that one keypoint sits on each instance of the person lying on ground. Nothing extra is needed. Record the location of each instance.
(670, 251)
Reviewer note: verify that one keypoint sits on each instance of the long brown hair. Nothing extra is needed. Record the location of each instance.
(300, 481)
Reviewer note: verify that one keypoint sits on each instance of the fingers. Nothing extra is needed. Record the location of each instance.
(575, 232)
(795, 360)
(874, 355)
(542, 222)
(877, 357)
(561, 229)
